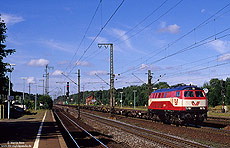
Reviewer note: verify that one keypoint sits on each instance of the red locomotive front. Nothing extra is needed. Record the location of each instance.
(182, 104)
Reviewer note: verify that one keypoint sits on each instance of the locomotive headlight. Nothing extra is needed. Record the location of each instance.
(188, 108)
(202, 108)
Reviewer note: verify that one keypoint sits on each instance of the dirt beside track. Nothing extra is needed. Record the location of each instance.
(206, 136)
(82, 139)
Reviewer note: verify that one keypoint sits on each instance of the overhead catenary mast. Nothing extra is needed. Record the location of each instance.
(46, 75)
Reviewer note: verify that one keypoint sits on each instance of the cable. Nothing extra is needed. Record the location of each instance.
(194, 45)
(205, 22)
(97, 35)
(141, 21)
(85, 33)
(152, 22)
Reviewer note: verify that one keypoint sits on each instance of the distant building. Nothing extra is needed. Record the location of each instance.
(90, 100)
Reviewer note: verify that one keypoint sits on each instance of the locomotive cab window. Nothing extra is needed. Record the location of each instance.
(165, 95)
(199, 94)
(188, 94)
(178, 94)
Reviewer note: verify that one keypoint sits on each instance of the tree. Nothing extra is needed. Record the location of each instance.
(3, 54)
(161, 85)
(46, 101)
(227, 91)
(214, 94)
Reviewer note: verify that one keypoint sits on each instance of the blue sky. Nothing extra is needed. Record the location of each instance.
(50, 32)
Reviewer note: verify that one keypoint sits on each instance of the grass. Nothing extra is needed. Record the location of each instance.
(217, 111)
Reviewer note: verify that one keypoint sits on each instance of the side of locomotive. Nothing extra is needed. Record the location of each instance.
(178, 105)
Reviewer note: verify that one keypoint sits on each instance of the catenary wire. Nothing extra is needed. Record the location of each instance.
(87, 29)
(96, 36)
(205, 22)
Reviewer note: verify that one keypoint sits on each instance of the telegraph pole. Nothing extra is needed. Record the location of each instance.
(29, 90)
(42, 86)
(46, 75)
(79, 95)
(102, 94)
(67, 93)
(134, 100)
(149, 82)
(223, 95)
(112, 91)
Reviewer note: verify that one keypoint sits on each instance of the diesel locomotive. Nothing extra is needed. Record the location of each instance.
(178, 105)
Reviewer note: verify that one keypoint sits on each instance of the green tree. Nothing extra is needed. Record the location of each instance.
(161, 85)
(214, 94)
(46, 101)
(3, 53)
(227, 91)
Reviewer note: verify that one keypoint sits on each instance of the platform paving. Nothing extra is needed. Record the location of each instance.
(23, 132)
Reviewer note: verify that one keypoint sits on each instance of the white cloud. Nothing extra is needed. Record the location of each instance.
(220, 46)
(57, 73)
(82, 63)
(147, 67)
(173, 28)
(225, 57)
(98, 72)
(121, 34)
(143, 67)
(170, 28)
(202, 10)
(99, 39)
(31, 80)
(59, 46)
(38, 62)
(62, 62)
(11, 19)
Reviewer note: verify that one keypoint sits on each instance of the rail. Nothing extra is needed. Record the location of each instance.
(164, 139)
(102, 144)
(67, 130)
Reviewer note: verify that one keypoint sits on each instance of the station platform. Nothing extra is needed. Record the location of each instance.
(38, 130)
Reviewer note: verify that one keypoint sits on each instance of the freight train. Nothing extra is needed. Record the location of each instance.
(178, 105)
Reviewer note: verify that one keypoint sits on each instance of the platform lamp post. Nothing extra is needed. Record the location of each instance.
(35, 103)
(134, 104)
(9, 88)
(23, 95)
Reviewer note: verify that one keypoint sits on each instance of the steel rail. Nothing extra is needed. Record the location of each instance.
(67, 130)
(168, 139)
(84, 130)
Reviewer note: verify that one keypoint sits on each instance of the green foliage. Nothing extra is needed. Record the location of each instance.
(227, 91)
(215, 94)
(29, 104)
(102, 97)
(217, 91)
(4, 81)
(46, 101)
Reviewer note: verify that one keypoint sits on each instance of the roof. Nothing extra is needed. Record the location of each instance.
(184, 87)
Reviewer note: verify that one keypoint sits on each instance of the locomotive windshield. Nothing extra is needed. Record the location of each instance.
(191, 94)
(199, 94)
(188, 94)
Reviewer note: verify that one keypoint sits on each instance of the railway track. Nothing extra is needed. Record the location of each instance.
(78, 135)
(219, 120)
(160, 138)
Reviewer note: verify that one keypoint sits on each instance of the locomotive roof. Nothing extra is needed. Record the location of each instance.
(185, 87)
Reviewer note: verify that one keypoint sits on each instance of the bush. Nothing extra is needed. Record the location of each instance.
(46, 101)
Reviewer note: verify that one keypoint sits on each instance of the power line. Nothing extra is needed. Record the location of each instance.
(152, 22)
(205, 22)
(200, 69)
(97, 35)
(142, 20)
(194, 45)
(85, 33)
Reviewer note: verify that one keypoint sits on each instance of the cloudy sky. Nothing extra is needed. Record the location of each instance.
(183, 41)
